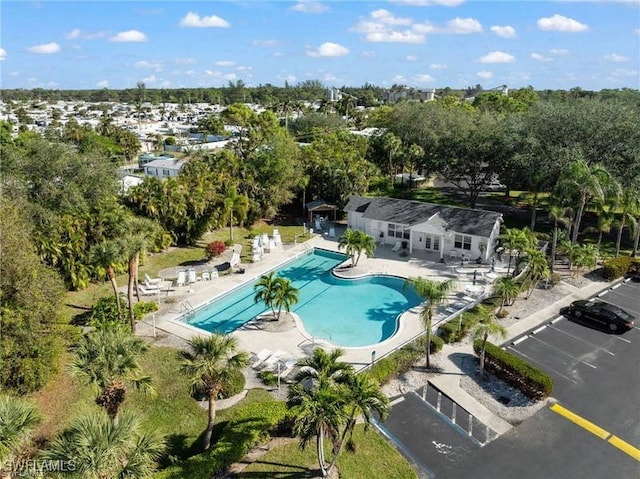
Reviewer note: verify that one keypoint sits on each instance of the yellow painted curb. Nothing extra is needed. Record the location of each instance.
(580, 421)
(625, 447)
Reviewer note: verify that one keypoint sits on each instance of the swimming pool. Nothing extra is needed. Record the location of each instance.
(346, 312)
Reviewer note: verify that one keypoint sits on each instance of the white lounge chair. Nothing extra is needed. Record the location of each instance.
(150, 286)
(260, 357)
(286, 367)
(148, 292)
(206, 276)
(272, 360)
(235, 260)
(192, 278)
(151, 280)
(214, 273)
(182, 278)
(397, 246)
(332, 232)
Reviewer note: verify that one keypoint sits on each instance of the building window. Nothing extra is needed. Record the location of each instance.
(166, 172)
(462, 242)
(397, 231)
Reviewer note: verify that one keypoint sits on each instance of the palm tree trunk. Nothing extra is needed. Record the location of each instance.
(428, 345)
(206, 440)
(231, 225)
(484, 345)
(136, 262)
(130, 288)
(636, 243)
(114, 284)
(576, 226)
(554, 244)
(619, 238)
(320, 451)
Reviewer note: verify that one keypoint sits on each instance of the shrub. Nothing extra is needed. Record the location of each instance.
(233, 386)
(104, 313)
(214, 249)
(516, 372)
(436, 344)
(228, 243)
(614, 268)
(449, 332)
(144, 307)
(269, 378)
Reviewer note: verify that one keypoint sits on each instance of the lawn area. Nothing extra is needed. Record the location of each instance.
(427, 195)
(374, 458)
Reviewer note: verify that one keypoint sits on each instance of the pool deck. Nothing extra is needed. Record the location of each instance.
(296, 342)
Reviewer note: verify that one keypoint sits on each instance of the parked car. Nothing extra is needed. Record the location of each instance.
(602, 314)
(494, 186)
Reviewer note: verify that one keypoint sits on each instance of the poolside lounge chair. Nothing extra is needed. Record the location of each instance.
(206, 276)
(148, 292)
(260, 357)
(182, 278)
(151, 280)
(235, 260)
(286, 367)
(223, 267)
(192, 276)
(272, 361)
(153, 286)
(332, 232)
(397, 246)
(214, 273)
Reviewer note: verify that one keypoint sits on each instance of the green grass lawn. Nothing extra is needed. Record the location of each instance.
(374, 458)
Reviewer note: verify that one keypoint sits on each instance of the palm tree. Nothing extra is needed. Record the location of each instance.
(583, 182)
(434, 293)
(392, 146)
(101, 449)
(355, 243)
(210, 363)
(235, 208)
(108, 360)
(266, 291)
(507, 289)
(285, 295)
(628, 203)
(109, 254)
(572, 250)
(585, 257)
(318, 413)
(559, 215)
(485, 328)
(18, 418)
(325, 366)
(538, 266)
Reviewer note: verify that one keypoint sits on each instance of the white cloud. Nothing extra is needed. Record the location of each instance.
(504, 31)
(328, 49)
(3, 54)
(230, 76)
(212, 73)
(309, 7)
(194, 20)
(73, 34)
(395, 37)
(559, 51)
(14, 74)
(497, 57)
(614, 57)
(264, 43)
(423, 78)
(637, 31)
(540, 57)
(45, 49)
(245, 69)
(388, 18)
(150, 79)
(278, 54)
(133, 36)
(379, 28)
(103, 84)
(368, 54)
(463, 26)
(399, 79)
(224, 63)
(150, 65)
(561, 24)
(411, 58)
(185, 61)
(485, 75)
(437, 66)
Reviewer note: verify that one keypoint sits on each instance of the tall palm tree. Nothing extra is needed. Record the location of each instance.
(18, 418)
(235, 207)
(285, 295)
(538, 268)
(488, 326)
(434, 293)
(108, 360)
(355, 243)
(585, 257)
(507, 289)
(108, 254)
(101, 449)
(266, 291)
(559, 215)
(628, 203)
(583, 182)
(210, 363)
(326, 366)
(392, 146)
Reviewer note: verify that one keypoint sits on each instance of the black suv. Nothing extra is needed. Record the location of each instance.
(602, 314)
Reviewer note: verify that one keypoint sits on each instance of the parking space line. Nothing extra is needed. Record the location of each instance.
(624, 446)
(580, 421)
(559, 318)
(536, 331)
(396, 401)
(590, 365)
(623, 339)
(596, 430)
(546, 368)
(518, 341)
(582, 340)
(561, 351)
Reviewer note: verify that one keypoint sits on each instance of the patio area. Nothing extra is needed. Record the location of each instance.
(176, 301)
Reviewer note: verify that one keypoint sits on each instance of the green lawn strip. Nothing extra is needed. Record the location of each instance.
(374, 458)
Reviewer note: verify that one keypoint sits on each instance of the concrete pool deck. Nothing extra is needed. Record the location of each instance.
(296, 342)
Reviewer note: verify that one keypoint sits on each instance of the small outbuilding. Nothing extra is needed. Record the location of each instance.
(318, 207)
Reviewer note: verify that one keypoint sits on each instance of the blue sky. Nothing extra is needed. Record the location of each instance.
(421, 43)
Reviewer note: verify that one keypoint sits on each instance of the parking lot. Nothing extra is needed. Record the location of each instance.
(593, 430)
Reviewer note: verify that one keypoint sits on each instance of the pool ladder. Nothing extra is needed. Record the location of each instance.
(187, 309)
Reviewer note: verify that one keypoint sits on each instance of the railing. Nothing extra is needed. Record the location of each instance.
(187, 309)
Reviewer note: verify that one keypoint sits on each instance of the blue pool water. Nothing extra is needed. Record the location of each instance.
(347, 312)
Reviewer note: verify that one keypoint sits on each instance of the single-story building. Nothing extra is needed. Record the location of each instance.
(450, 231)
(164, 168)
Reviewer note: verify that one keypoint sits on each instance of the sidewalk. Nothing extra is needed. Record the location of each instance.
(448, 381)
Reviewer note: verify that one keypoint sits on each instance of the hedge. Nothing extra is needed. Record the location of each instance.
(403, 359)
(614, 268)
(249, 425)
(457, 328)
(516, 372)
